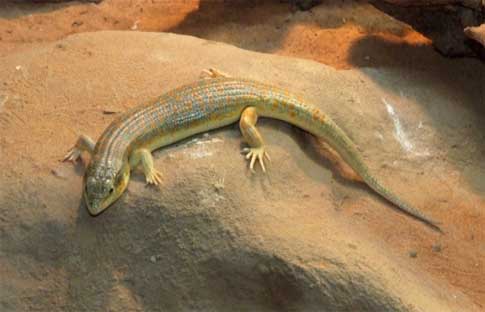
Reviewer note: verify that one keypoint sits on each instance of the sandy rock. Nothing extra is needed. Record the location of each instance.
(214, 236)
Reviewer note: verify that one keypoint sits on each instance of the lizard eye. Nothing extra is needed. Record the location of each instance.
(111, 191)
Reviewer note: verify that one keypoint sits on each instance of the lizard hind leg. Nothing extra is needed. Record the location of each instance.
(256, 149)
(144, 157)
(83, 144)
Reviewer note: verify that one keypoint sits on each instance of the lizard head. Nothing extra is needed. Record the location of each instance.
(103, 185)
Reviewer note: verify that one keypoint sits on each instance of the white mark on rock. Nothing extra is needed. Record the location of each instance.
(211, 141)
(155, 258)
(18, 67)
(201, 150)
(399, 133)
(199, 153)
(135, 25)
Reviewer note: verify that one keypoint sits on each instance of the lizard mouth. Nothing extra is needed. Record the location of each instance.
(94, 206)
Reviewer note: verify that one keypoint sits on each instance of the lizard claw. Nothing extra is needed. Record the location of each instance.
(210, 73)
(73, 155)
(256, 153)
(154, 177)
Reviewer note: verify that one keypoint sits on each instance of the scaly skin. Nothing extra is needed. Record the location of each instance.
(202, 106)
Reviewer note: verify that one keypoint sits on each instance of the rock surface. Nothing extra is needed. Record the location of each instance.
(215, 236)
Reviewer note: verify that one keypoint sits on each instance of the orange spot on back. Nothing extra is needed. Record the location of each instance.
(315, 115)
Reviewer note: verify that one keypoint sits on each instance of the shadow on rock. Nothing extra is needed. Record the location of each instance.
(220, 16)
(11, 9)
(141, 256)
(450, 92)
(442, 24)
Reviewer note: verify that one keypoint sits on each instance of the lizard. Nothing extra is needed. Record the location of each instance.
(202, 106)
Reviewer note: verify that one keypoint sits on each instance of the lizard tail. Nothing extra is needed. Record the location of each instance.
(313, 120)
(337, 138)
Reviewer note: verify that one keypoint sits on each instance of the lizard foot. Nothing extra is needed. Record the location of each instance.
(153, 177)
(84, 143)
(258, 153)
(73, 155)
(210, 73)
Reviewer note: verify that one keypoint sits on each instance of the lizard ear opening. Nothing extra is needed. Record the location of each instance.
(121, 181)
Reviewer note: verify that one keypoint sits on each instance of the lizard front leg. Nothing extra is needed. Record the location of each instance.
(144, 157)
(251, 135)
(83, 144)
